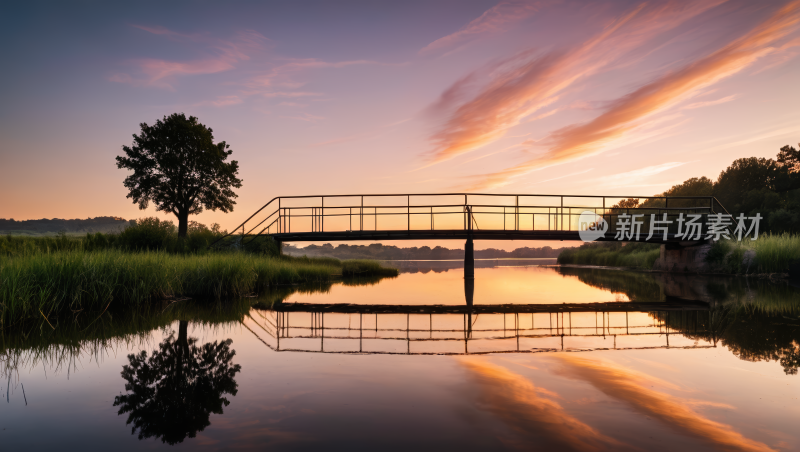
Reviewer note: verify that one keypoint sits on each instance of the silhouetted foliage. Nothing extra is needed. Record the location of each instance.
(148, 234)
(172, 394)
(742, 176)
(178, 167)
(391, 252)
(696, 186)
(790, 158)
(751, 185)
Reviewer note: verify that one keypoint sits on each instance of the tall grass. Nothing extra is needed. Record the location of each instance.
(48, 284)
(774, 253)
(612, 254)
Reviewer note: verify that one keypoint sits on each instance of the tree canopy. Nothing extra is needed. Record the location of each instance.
(177, 166)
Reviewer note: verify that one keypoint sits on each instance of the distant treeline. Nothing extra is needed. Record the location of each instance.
(144, 234)
(751, 185)
(55, 225)
(391, 252)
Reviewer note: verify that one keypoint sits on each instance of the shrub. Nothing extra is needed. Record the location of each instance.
(148, 234)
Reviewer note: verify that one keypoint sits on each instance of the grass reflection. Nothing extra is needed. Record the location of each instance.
(756, 319)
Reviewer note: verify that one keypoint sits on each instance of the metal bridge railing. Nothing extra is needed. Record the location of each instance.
(460, 212)
(323, 332)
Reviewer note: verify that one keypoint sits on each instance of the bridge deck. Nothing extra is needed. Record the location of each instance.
(478, 216)
(626, 306)
(475, 234)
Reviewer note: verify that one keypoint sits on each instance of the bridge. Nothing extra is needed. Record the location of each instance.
(465, 216)
(482, 329)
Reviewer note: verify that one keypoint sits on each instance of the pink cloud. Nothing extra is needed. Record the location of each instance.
(527, 82)
(623, 115)
(494, 20)
(225, 54)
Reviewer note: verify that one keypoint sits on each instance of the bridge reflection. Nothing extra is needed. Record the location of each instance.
(482, 329)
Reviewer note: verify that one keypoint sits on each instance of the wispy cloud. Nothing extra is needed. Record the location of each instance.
(496, 19)
(563, 177)
(292, 104)
(789, 128)
(528, 81)
(624, 114)
(709, 103)
(222, 101)
(637, 176)
(635, 390)
(307, 117)
(281, 80)
(223, 55)
(529, 411)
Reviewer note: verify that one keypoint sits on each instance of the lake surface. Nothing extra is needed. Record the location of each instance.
(543, 358)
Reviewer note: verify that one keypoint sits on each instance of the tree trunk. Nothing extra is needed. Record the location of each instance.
(183, 333)
(183, 224)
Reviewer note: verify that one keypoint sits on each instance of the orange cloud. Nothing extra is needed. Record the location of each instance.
(525, 83)
(622, 116)
(494, 20)
(633, 388)
(518, 403)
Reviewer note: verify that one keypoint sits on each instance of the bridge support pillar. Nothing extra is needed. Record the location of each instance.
(687, 257)
(469, 290)
(469, 260)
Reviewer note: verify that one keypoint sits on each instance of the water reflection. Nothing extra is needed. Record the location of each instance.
(756, 319)
(439, 266)
(481, 329)
(666, 366)
(172, 393)
(532, 413)
(636, 390)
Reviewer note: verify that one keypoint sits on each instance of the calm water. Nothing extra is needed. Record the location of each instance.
(545, 358)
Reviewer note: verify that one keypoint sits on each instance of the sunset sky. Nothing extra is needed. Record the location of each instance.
(550, 97)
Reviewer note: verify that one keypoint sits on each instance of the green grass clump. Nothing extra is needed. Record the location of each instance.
(612, 254)
(62, 282)
(774, 253)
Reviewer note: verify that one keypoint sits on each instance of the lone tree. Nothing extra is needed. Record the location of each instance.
(177, 167)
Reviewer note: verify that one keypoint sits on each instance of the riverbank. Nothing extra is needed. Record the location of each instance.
(56, 283)
(770, 254)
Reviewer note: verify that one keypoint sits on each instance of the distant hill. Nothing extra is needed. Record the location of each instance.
(390, 252)
(55, 225)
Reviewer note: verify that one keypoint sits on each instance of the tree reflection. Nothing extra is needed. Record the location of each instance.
(172, 393)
